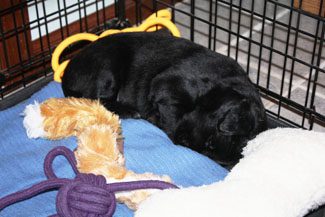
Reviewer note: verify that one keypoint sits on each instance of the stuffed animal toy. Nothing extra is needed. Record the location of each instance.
(100, 142)
(281, 175)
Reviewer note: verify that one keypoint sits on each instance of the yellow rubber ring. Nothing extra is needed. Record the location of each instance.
(60, 70)
(161, 22)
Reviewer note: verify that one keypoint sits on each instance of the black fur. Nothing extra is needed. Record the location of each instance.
(201, 99)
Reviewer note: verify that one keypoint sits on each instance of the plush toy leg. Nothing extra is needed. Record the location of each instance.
(281, 175)
(134, 198)
(65, 117)
(98, 154)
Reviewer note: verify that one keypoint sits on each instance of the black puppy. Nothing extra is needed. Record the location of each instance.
(201, 99)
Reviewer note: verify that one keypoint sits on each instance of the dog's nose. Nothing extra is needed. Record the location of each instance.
(209, 145)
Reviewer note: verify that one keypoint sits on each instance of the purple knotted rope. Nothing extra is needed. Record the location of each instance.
(85, 194)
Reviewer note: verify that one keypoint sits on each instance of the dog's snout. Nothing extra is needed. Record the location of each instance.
(209, 145)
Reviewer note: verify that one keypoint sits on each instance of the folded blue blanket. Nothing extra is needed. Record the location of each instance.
(146, 149)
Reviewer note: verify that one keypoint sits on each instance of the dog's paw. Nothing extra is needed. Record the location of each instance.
(124, 111)
(33, 121)
(125, 114)
(115, 23)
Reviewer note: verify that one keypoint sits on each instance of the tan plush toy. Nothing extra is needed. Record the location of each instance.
(100, 141)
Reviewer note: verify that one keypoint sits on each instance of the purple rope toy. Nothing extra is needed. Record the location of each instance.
(85, 194)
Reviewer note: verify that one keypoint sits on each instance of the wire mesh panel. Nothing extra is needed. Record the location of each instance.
(31, 29)
(279, 43)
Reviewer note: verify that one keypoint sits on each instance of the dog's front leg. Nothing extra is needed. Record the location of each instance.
(123, 110)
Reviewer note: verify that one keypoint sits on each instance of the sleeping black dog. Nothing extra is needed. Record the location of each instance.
(201, 99)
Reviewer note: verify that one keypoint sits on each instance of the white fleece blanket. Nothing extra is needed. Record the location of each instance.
(282, 174)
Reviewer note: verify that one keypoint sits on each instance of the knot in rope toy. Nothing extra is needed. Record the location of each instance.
(155, 21)
(86, 194)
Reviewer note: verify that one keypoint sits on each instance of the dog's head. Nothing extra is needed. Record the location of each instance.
(221, 124)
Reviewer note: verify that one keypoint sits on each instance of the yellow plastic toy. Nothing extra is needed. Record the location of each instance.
(155, 21)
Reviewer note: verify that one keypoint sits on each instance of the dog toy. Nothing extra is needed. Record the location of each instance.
(100, 142)
(281, 175)
(86, 195)
(152, 23)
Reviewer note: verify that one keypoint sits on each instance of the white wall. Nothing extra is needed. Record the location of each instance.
(51, 6)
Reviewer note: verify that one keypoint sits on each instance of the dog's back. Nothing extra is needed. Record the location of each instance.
(198, 97)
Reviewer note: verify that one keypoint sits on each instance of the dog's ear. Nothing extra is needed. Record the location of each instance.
(238, 120)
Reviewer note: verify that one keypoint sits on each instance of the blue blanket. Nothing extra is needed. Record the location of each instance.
(146, 148)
